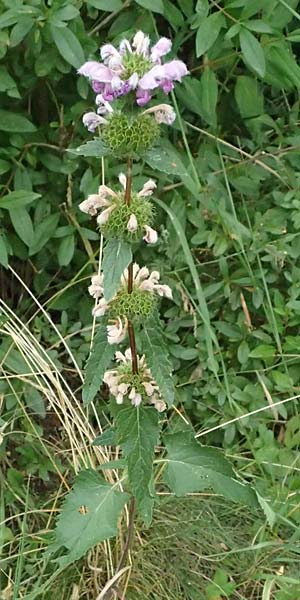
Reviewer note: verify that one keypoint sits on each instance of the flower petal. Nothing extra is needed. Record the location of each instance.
(162, 47)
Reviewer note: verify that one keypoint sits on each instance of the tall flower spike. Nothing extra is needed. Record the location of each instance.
(136, 67)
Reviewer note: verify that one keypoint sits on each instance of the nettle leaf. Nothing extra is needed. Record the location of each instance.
(153, 5)
(253, 53)
(90, 515)
(22, 224)
(107, 438)
(101, 355)
(138, 431)
(116, 258)
(193, 468)
(18, 199)
(68, 45)
(156, 352)
(15, 123)
(93, 148)
(208, 32)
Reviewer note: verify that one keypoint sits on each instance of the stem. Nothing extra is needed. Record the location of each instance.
(131, 335)
(130, 532)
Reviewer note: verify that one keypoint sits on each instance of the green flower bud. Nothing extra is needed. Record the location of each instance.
(137, 306)
(126, 136)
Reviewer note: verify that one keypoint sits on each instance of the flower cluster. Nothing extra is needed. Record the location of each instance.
(136, 387)
(119, 220)
(139, 304)
(134, 68)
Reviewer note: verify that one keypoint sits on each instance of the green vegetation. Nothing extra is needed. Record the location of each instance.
(227, 213)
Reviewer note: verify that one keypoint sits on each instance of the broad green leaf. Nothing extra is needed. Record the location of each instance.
(3, 252)
(43, 232)
(66, 13)
(66, 250)
(68, 45)
(18, 199)
(156, 352)
(166, 159)
(116, 258)
(208, 32)
(209, 96)
(107, 438)
(172, 14)
(8, 18)
(22, 224)
(101, 355)
(15, 123)
(263, 351)
(138, 431)
(253, 53)
(282, 69)
(202, 8)
(193, 468)
(92, 148)
(4, 164)
(153, 5)
(7, 83)
(89, 515)
(111, 6)
(20, 30)
(249, 97)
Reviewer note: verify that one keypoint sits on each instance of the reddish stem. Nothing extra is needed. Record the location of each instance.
(130, 272)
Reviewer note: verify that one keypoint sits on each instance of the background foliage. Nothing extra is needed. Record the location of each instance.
(228, 213)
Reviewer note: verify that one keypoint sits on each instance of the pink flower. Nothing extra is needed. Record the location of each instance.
(120, 73)
(91, 121)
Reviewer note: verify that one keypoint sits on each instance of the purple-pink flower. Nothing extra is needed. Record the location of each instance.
(134, 67)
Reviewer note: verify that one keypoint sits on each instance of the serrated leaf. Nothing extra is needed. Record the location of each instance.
(101, 355)
(90, 515)
(208, 32)
(15, 123)
(116, 258)
(137, 431)
(107, 438)
(93, 148)
(153, 5)
(22, 224)
(193, 468)
(156, 352)
(68, 45)
(253, 53)
(18, 199)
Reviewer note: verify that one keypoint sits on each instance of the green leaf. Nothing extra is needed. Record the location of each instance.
(92, 148)
(43, 232)
(20, 30)
(3, 252)
(193, 468)
(209, 96)
(101, 355)
(252, 51)
(137, 431)
(153, 5)
(249, 97)
(116, 258)
(156, 352)
(15, 123)
(68, 45)
(8, 18)
(66, 13)
(66, 250)
(263, 351)
(22, 224)
(18, 199)
(111, 6)
(208, 32)
(107, 438)
(90, 515)
(167, 159)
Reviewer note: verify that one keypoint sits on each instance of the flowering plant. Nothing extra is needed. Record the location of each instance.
(138, 378)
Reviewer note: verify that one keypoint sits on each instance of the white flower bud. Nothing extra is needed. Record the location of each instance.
(104, 216)
(116, 332)
(151, 235)
(100, 309)
(132, 224)
(147, 189)
(122, 180)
